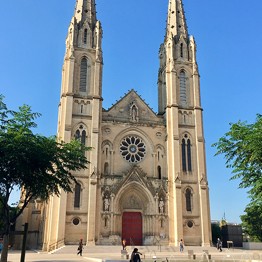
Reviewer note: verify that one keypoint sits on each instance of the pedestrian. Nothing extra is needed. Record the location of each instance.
(181, 245)
(219, 245)
(124, 244)
(135, 256)
(80, 247)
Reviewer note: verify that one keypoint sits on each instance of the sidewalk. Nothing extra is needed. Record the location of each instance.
(149, 253)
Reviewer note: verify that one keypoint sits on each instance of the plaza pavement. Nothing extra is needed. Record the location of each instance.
(149, 253)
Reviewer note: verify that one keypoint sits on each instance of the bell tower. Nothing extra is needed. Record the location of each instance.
(79, 117)
(179, 103)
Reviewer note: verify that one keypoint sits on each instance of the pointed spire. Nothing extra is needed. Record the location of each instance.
(85, 10)
(176, 21)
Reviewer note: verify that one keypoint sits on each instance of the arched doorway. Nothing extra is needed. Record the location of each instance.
(132, 228)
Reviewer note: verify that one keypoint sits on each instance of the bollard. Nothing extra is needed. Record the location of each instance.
(194, 256)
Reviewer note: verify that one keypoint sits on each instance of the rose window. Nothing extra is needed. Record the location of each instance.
(132, 149)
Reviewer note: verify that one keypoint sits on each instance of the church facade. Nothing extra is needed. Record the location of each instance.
(146, 181)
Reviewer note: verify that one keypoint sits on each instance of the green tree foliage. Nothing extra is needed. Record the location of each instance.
(37, 165)
(242, 148)
(252, 220)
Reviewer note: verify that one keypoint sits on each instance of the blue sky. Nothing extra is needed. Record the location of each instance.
(228, 36)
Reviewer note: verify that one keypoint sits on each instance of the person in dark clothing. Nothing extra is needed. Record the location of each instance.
(219, 245)
(80, 247)
(181, 245)
(135, 256)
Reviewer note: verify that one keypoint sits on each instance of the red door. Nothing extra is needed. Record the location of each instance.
(132, 228)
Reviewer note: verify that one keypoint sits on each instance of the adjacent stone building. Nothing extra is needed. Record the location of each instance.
(147, 180)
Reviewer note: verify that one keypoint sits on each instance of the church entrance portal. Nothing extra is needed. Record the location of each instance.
(132, 228)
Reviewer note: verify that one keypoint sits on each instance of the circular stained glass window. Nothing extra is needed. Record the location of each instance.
(132, 149)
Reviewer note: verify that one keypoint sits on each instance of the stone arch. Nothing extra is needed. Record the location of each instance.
(77, 126)
(106, 143)
(143, 199)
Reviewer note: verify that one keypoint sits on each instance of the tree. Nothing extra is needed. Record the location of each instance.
(242, 149)
(252, 220)
(40, 166)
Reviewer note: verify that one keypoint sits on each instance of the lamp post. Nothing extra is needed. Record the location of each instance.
(24, 243)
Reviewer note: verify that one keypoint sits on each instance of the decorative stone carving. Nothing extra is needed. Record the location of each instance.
(161, 206)
(133, 112)
(106, 204)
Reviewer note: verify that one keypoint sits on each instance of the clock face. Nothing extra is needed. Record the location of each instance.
(132, 149)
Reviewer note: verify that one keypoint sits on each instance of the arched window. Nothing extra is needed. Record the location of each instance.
(159, 172)
(77, 195)
(85, 36)
(80, 135)
(188, 200)
(183, 93)
(186, 154)
(83, 75)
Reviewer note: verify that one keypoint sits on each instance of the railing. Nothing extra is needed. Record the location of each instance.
(56, 245)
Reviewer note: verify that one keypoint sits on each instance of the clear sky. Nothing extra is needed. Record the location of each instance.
(228, 36)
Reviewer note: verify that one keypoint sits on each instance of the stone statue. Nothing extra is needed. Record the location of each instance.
(106, 204)
(161, 206)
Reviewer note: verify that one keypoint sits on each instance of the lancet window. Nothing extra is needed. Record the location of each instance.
(186, 154)
(77, 195)
(83, 75)
(80, 135)
(188, 196)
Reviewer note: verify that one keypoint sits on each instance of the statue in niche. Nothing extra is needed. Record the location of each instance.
(106, 204)
(161, 206)
(134, 112)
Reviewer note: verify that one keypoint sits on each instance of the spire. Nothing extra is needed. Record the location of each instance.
(85, 10)
(176, 22)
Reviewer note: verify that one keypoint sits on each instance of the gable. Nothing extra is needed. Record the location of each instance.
(131, 108)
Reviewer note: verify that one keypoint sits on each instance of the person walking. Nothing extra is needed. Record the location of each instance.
(135, 256)
(124, 244)
(181, 245)
(219, 245)
(80, 247)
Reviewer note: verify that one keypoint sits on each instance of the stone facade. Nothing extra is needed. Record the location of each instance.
(147, 179)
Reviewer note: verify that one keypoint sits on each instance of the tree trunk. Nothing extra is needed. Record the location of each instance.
(4, 253)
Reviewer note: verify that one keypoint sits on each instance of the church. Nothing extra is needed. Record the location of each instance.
(146, 181)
